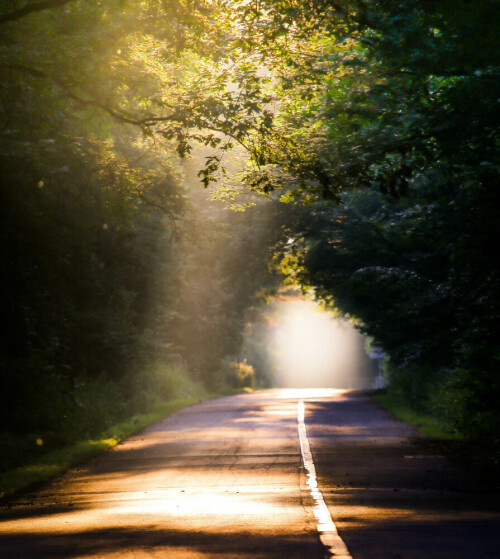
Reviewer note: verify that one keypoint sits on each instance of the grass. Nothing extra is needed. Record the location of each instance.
(478, 456)
(46, 467)
(428, 425)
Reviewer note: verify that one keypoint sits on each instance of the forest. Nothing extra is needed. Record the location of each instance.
(167, 166)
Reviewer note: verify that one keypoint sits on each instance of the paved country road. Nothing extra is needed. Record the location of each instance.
(253, 476)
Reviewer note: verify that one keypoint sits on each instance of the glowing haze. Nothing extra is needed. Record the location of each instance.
(315, 349)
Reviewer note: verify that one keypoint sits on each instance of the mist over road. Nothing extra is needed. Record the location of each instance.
(227, 478)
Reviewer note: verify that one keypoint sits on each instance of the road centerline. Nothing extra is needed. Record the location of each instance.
(327, 530)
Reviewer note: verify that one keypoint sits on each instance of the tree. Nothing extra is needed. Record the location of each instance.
(98, 102)
(391, 111)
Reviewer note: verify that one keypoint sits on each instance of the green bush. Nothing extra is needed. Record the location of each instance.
(98, 403)
(158, 382)
(411, 385)
(462, 401)
(238, 374)
(466, 398)
(59, 411)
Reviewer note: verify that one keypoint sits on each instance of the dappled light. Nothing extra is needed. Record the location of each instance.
(235, 235)
(225, 477)
(344, 138)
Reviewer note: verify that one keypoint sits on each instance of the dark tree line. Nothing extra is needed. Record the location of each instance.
(401, 132)
(121, 285)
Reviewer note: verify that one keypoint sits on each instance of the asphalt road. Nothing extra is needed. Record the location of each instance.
(235, 477)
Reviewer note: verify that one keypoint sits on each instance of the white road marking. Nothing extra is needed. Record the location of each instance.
(326, 527)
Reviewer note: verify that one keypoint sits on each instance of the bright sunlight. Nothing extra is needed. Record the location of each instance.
(315, 349)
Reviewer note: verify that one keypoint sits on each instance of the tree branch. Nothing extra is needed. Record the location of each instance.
(30, 8)
(146, 122)
(122, 116)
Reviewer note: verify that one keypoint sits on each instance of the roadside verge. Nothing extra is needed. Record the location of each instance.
(46, 467)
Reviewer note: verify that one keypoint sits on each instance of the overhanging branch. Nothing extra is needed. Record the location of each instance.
(32, 7)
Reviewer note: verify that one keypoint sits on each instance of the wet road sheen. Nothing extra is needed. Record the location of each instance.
(226, 479)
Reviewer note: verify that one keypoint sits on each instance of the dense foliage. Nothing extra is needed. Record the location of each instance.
(398, 123)
(380, 116)
(122, 285)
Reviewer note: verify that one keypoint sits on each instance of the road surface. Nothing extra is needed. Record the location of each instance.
(273, 474)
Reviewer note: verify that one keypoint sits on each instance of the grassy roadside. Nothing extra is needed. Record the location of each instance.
(477, 456)
(427, 425)
(18, 480)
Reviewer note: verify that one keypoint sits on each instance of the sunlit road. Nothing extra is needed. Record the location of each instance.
(227, 478)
